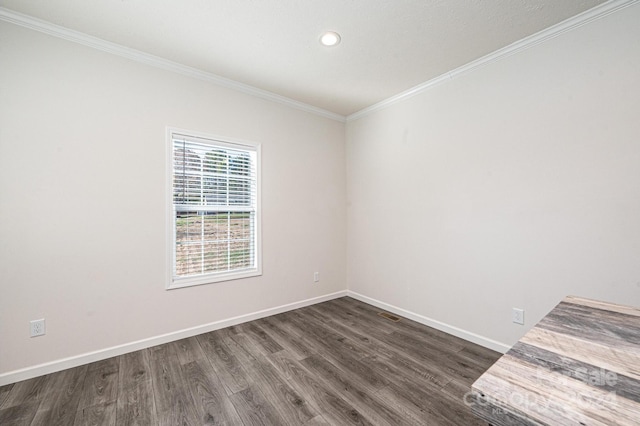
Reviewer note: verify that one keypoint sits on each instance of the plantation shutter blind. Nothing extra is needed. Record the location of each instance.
(214, 204)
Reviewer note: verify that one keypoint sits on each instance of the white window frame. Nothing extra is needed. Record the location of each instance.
(173, 281)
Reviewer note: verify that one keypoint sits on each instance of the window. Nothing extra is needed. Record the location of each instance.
(214, 218)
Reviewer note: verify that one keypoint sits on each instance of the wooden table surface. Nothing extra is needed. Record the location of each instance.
(580, 365)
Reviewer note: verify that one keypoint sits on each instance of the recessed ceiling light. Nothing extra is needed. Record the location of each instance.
(330, 38)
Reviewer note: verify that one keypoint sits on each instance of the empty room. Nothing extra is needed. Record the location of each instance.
(279, 212)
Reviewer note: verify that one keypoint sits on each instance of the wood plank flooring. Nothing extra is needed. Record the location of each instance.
(335, 363)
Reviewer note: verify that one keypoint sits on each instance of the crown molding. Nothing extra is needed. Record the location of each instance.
(570, 24)
(156, 61)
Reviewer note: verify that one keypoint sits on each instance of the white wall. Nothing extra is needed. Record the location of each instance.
(82, 213)
(513, 185)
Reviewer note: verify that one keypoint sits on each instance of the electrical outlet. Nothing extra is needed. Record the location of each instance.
(518, 316)
(316, 277)
(37, 327)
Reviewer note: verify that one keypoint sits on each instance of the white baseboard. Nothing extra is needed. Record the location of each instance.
(75, 361)
(455, 331)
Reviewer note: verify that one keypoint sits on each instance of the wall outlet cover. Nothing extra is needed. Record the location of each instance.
(518, 316)
(37, 327)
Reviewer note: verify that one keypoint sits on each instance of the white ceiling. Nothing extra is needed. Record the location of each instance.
(388, 46)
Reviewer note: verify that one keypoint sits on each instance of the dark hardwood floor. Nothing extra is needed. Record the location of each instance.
(336, 363)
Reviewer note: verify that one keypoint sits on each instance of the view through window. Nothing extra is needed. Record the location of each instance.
(214, 210)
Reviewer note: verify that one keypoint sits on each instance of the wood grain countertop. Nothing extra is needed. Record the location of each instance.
(580, 365)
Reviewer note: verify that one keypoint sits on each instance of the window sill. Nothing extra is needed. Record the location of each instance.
(175, 283)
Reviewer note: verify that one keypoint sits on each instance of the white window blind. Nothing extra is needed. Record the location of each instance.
(215, 210)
